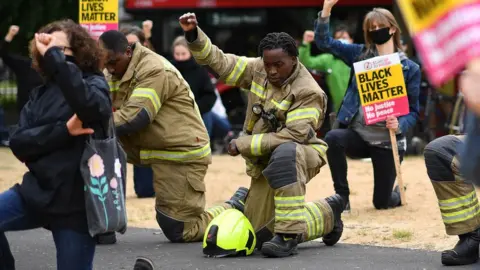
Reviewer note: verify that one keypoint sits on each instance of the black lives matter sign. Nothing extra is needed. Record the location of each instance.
(381, 87)
(98, 16)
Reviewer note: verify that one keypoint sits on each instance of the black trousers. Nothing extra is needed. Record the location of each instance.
(346, 142)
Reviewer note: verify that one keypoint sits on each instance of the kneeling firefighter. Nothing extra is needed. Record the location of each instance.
(159, 125)
(285, 108)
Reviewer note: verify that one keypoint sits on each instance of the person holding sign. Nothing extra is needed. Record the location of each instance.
(391, 82)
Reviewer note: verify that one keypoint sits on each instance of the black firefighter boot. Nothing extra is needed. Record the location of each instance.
(281, 245)
(337, 203)
(238, 199)
(465, 251)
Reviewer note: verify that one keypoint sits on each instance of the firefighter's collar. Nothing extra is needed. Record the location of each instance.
(293, 75)
(133, 63)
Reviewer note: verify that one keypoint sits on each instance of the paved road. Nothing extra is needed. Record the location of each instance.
(34, 250)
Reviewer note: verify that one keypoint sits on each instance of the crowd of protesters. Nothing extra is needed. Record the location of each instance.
(64, 57)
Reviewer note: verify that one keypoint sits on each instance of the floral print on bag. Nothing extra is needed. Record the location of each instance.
(98, 182)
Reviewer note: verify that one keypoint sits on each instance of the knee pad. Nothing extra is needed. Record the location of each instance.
(439, 155)
(172, 229)
(282, 167)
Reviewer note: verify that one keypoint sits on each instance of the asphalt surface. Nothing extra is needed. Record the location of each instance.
(35, 250)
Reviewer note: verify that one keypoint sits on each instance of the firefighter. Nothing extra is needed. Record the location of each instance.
(282, 153)
(159, 125)
(457, 199)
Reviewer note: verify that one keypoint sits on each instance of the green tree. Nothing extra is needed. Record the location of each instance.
(30, 15)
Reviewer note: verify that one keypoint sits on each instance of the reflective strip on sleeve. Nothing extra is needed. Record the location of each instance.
(256, 144)
(300, 114)
(237, 72)
(258, 90)
(294, 214)
(207, 48)
(321, 149)
(215, 211)
(176, 156)
(295, 201)
(284, 105)
(149, 93)
(459, 209)
(113, 86)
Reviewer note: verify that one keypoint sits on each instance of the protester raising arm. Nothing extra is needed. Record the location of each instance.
(16, 62)
(320, 62)
(326, 42)
(89, 98)
(232, 69)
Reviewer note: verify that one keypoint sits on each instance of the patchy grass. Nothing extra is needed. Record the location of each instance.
(403, 235)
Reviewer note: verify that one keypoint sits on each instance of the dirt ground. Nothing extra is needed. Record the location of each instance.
(416, 225)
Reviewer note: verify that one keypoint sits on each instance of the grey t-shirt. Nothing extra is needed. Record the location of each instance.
(376, 134)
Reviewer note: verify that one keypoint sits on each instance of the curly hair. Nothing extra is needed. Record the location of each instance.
(87, 53)
(277, 40)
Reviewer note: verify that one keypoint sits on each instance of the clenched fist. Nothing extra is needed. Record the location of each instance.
(147, 28)
(188, 21)
(329, 3)
(44, 42)
(308, 37)
(12, 32)
(327, 7)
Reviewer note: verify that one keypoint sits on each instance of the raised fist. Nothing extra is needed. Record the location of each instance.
(12, 32)
(308, 36)
(147, 25)
(188, 21)
(329, 3)
(147, 28)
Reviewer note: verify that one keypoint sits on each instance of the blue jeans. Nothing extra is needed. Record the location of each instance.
(216, 126)
(75, 250)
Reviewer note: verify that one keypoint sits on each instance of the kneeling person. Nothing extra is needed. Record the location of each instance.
(457, 199)
(159, 125)
(285, 108)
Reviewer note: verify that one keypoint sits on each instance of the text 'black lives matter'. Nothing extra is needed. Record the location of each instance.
(375, 87)
(93, 10)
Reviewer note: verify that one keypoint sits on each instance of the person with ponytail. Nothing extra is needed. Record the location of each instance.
(351, 136)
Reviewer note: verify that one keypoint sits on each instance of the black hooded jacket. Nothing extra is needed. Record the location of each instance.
(200, 83)
(53, 188)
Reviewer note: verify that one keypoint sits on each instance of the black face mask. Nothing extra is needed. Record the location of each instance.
(380, 36)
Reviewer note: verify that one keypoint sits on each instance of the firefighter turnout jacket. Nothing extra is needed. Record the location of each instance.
(299, 105)
(152, 88)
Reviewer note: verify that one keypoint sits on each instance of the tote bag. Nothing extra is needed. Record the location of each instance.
(103, 167)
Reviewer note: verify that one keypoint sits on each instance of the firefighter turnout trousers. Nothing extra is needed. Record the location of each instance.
(276, 199)
(457, 199)
(180, 201)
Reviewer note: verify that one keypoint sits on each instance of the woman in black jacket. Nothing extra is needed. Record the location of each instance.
(50, 140)
(198, 79)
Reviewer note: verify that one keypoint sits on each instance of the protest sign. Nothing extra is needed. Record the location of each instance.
(98, 16)
(381, 87)
(445, 33)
